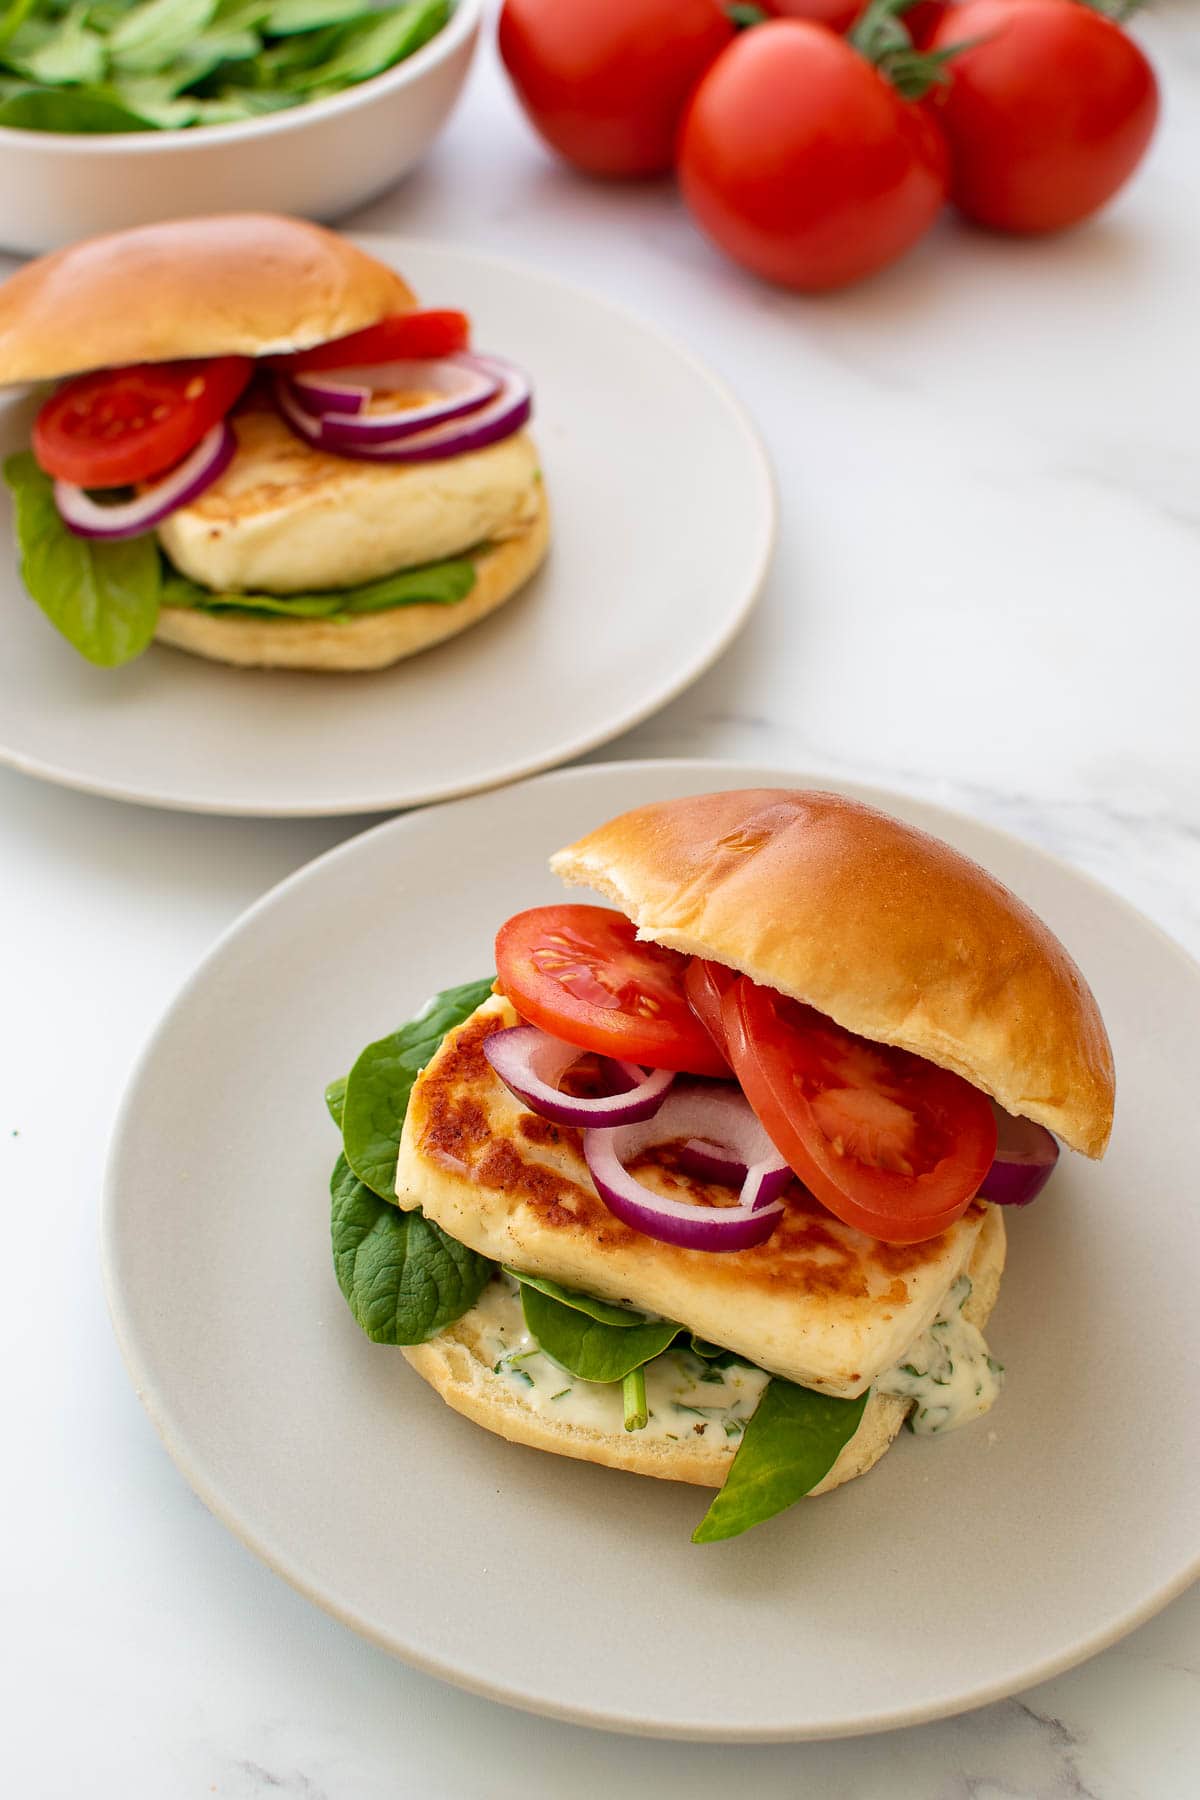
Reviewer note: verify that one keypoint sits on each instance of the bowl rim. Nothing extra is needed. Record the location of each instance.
(459, 28)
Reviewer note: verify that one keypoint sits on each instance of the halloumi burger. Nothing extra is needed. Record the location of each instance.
(712, 1186)
(262, 450)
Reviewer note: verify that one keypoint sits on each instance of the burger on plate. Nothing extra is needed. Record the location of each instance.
(711, 1185)
(261, 449)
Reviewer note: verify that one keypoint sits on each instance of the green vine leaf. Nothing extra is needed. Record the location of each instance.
(882, 37)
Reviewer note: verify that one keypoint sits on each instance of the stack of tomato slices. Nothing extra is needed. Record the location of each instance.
(717, 1077)
(163, 428)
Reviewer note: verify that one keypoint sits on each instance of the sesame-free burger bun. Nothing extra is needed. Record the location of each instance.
(878, 925)
(245, 284)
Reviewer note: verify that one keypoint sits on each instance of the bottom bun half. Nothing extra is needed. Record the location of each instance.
(370, 640)
(455, 1363)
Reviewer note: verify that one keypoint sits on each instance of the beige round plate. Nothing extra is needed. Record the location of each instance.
(663, 524)
(959, 1570)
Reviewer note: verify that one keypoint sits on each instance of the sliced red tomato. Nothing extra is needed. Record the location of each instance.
(706, 984)
(407, 335)
(888, 1142)
(580, 973)
(116, 426)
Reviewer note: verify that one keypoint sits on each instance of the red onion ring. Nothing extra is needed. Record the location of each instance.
(463, 382)
(709, 1162)
(89, 518)
(496, 419)
(531, 1064)
(1026, 1155)
(703, 1115)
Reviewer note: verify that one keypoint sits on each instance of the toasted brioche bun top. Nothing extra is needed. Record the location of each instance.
(244, 284)
(887, 930)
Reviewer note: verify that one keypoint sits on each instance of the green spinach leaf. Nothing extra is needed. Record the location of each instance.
(403, 1278)
(240, 15)
(369, 44)
(72, 110)
(157, 98)
(379, 1084)
(602, 1310)
(164, 96)
(288, 16)
(103, 597)
(104, 14)
(437, 584)
(154, 34)
(335, 1099)
(13, 17)
(791, 1442)
(141, 65)
(72, 54)
(234, 102)
(588, 1347)
(714, 1356)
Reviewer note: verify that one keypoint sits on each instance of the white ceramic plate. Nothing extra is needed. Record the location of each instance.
(664, 520)
(959, 1570)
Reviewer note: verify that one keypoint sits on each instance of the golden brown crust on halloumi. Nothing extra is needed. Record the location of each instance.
(819, 1302)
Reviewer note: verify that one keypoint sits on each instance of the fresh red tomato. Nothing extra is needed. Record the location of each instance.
(579, 973)
(888, 1142)
(835, 15)
(605, 82)
(116, 426)
(922, 20)
(416, 334)
(801, 162)
(1049, 111)
(706, 984)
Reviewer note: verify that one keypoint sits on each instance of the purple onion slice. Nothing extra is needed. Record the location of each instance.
(462, 383)
(1026, 1155)
(498, 418)
(716, 1125)
(90, 518)
(709, 1162)
(531, 1064)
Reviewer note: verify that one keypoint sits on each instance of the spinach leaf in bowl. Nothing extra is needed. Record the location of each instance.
(74, 54)
(69, 109)
(146, 65)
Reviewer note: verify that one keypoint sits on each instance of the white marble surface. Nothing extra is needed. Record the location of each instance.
(987, 591)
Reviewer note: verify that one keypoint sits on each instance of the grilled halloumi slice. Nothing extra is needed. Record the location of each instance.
(285, 519)
(819, 1302)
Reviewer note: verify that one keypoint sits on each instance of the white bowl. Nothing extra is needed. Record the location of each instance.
(319, 160)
